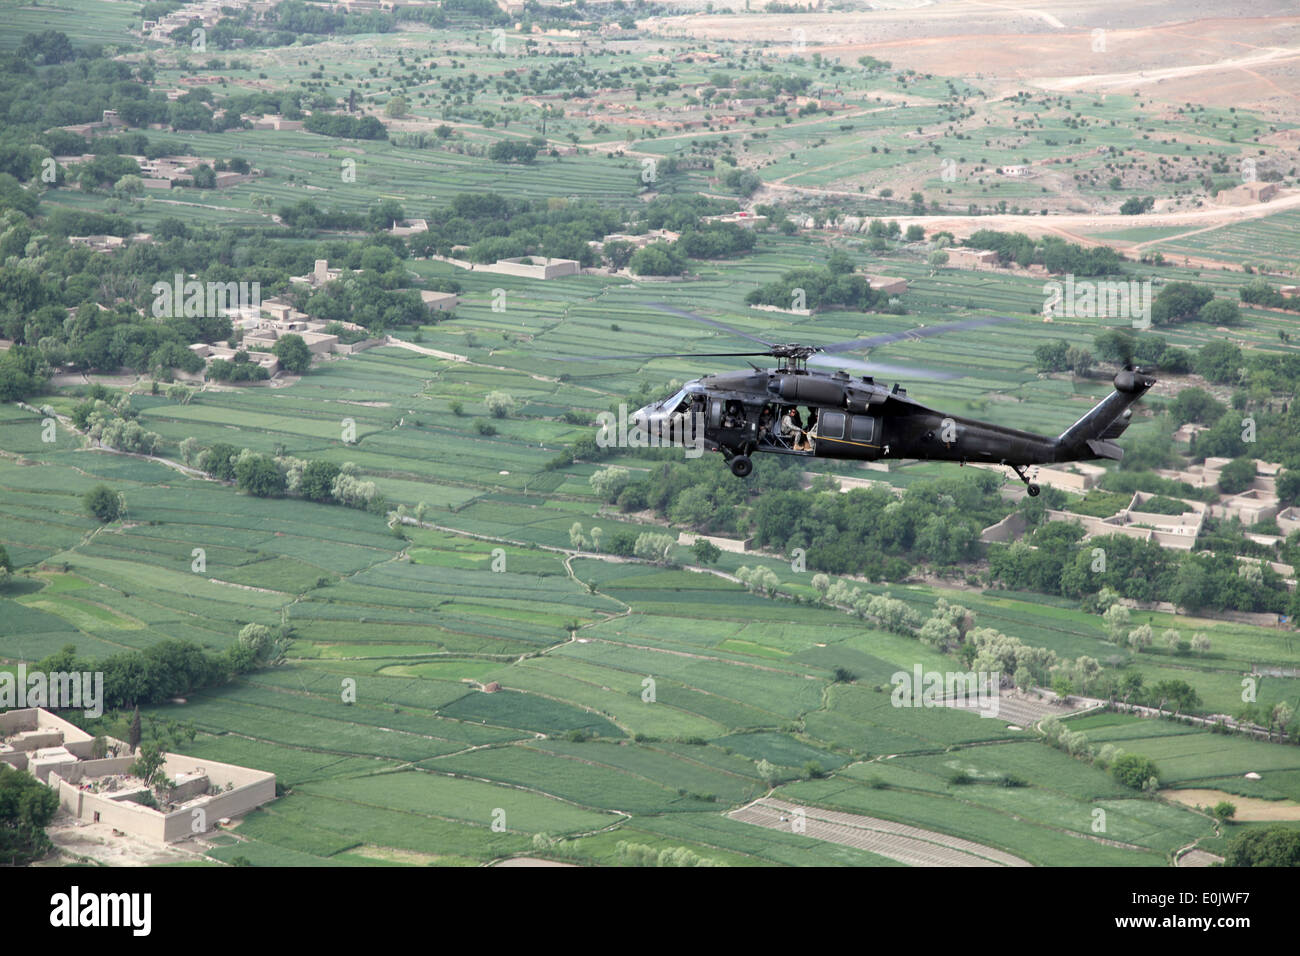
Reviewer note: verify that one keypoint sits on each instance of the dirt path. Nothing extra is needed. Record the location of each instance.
(895, 841)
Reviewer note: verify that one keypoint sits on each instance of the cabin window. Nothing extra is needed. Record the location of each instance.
(863, 428)
(831, 425)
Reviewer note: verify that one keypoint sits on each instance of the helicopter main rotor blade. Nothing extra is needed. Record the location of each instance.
(711, 322)
(658, 355)
(917, 333)
(882, 371)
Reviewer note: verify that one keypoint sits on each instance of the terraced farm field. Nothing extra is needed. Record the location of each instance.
(423, 761)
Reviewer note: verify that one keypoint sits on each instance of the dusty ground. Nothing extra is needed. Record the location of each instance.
(97, 843)
(1203, 51)
(1221, 54)
(1249, 809)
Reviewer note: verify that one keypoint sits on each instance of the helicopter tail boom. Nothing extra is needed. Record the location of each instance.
(1092, 435)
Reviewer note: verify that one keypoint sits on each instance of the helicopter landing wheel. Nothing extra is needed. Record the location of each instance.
(1032, 489)
(741, 466)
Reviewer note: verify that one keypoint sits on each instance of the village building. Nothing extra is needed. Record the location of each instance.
(638, 241)
(439, 301)
(109, 243)
(972, 258)
(272, 121)
(1178, 532)
(409, 227)
(890, 285)
(208, 352)
(746, 220)
(201, 793)
(319, 276)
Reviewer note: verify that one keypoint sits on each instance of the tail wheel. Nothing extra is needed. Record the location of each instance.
(741, 466)
(1033, 490)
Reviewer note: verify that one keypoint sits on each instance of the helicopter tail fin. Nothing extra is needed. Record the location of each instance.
(1092, 435)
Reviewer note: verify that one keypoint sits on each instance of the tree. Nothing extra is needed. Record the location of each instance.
(512, 151)
(705, 551)
(654, 547)
(149, 767)
(1051, 356)
(219, 461)
(1275, 846)
(1195, 405)
(1179, 300)
(1288, 486)
(576, 538)
(1237, 476)
(500, 404)
(317, 481)
(1281, 716)
(293, 353)
(133, 735)
(609, 482)
(1134, 770)
(260, 476)
(658, 259)
(397, 107)
(1224, 811)
(26, 808)
(1140, 637)
(1220, 312)
(1219, 361)
(1200, 643)
(23, 369)
(260, 647)
(760, 579)
(1116, 621)
(103, 502)
(129, 185)
(1062, 687)
(1078, 360)
(1114, 345)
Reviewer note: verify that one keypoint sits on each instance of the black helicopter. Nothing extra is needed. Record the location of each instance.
(746, 412)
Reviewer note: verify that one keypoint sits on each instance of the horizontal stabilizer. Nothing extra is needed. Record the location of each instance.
(1105, 449)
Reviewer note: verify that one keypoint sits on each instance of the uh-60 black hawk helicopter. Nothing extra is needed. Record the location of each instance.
(746, 412)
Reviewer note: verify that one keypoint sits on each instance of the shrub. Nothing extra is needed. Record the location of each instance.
(103, 503)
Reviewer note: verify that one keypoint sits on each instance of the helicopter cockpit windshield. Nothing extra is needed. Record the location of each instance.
(657, 417)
